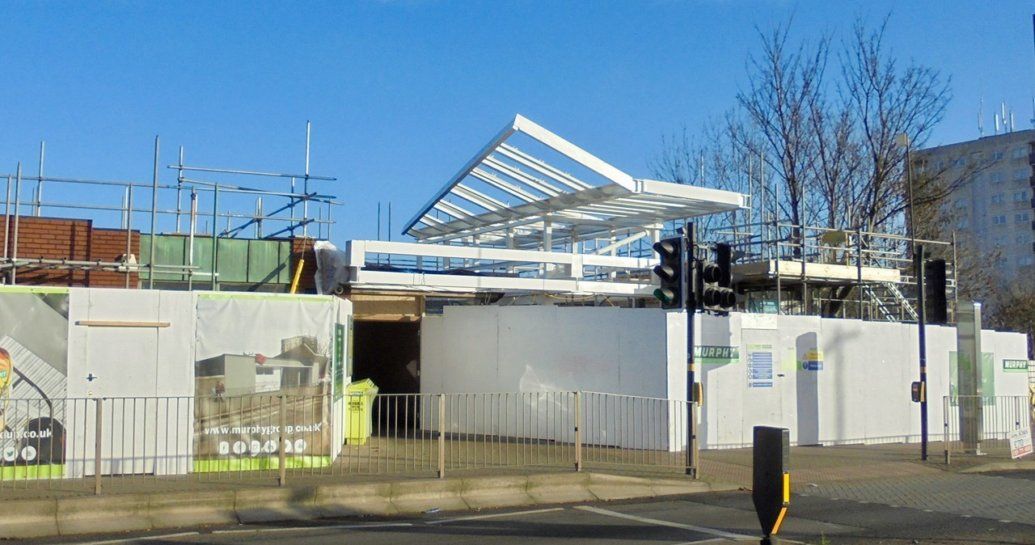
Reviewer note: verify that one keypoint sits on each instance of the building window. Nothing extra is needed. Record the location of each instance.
(1026, 260)
(1019, 153)
(996, 177)
(999, 220)
(1020, 218)
(997, 155)
(1021, 174)
(1020, 196)
(998, 198)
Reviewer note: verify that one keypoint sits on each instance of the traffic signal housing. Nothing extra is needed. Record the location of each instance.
(713, 287)
(670, 272)
(935, 299)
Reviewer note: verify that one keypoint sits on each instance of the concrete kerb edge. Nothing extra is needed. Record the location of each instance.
(275, 504)
(1001, 466)
(355, 499)
(203, 507)
(117, 513)
(495, 491)
(37, 518)
(426, 494)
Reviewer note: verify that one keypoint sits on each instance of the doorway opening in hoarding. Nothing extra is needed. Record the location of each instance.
(388, 353)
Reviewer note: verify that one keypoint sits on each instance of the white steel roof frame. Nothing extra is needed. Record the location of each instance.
(622, 204)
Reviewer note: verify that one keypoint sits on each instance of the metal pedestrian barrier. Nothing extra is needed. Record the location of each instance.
(110, 444)
(980, 425)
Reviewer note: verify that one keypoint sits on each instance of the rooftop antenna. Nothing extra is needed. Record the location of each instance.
(981, 115)
(1033, 96)
(996, 117)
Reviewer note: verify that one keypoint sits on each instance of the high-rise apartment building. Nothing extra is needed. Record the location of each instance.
(994, 207)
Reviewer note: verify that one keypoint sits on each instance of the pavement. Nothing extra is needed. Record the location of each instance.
(863, 477)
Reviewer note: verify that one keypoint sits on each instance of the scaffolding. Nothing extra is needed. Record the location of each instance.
(784, 268)
(287, 212)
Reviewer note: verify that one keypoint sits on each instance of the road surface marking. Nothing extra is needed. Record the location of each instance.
(658, 522)
(495, 515)
(134, 539)
(304, 528)
(704, 541)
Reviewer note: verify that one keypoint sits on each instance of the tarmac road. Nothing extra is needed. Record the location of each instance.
(711, 518)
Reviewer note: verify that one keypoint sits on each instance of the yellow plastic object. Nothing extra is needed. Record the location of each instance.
(359, 404)
(298, 276)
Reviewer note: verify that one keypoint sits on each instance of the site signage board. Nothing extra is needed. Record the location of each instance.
(1015, 366)
(1020, 442)
(760, 366)
(716, 355)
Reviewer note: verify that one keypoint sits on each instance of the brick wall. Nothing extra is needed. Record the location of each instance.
(72, 239)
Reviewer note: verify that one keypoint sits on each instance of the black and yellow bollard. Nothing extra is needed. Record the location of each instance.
(771, 478)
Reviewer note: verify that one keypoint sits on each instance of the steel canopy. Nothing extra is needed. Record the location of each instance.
(505, 196)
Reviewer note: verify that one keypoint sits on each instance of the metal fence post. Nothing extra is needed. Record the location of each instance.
(441, 436)
(578, 431)
(98, 442)
(946, 434)
(281, 450)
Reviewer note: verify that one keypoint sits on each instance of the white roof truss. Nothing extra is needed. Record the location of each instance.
(505, 188)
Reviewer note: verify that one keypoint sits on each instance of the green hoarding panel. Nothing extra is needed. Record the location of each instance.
(203, 259)
(264, 262)
(241, 261)
(233, 260)
(170, 251)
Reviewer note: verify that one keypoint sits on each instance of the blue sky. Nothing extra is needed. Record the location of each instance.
(401, 94)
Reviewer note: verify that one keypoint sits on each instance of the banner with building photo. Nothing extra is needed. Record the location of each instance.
(253, 350)
(33, 371)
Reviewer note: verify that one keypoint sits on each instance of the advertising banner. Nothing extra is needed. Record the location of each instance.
(264, 366)
(33, 370)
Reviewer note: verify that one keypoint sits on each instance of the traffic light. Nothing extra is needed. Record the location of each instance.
(713, 285)
(672, 252)
(936, 302)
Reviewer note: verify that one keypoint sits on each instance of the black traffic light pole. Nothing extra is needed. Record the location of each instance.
(690, 307)
(921, 314)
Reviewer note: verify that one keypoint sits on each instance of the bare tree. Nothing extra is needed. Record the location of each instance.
(835, 166)
(1013, 308)
(889, 104)
(832, 147)
(785, 83)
